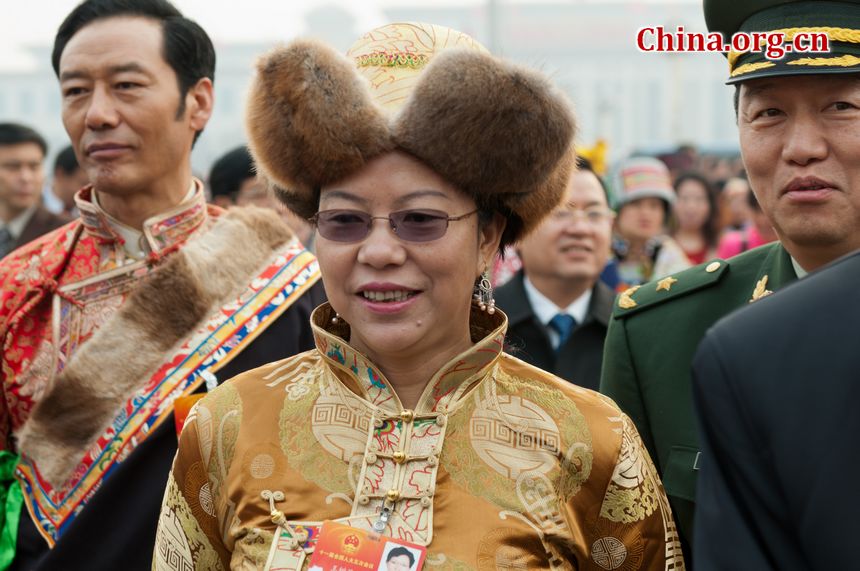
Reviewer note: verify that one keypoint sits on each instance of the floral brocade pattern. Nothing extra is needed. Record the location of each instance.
(53, 267)
(500, 466)
(501, 428)
(319, 434)
(633, 494)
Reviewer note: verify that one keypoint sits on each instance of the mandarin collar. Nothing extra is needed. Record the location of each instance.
(161, 232)
(447, 385)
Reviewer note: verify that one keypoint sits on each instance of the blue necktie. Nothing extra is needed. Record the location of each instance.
(563, 324)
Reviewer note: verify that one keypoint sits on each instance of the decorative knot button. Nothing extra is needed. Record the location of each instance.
(370, 459)
(440, 420)
(278, 517)
(407, 415)
(301, 536)
(425, 501)
(378, 423)
(392, 495)
(363, 500)
(431, 461)
(399, 457)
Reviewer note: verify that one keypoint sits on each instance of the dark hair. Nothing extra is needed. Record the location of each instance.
(710, 230)
(397, 552)
(230, 171)
(187, 48)
(17, 134)
(66, 161)
(584, 164)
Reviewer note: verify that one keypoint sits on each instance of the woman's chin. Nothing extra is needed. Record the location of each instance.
(388, 338)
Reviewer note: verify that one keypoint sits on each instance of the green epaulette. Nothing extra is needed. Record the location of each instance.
(651, 294)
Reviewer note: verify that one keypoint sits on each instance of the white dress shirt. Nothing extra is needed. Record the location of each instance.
(545, 309)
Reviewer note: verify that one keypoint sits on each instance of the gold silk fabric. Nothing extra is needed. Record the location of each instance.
(500, 466)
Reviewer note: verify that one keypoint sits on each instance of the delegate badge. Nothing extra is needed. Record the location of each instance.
(344, 548)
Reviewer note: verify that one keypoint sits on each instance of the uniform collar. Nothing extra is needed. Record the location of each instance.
(160, 232)
(445, 388)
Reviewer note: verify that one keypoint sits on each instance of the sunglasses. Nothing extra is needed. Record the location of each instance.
(419, 225)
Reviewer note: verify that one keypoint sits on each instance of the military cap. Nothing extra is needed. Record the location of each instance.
(839, 20)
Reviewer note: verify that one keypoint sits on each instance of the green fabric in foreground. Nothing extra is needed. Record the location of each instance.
(11, 499)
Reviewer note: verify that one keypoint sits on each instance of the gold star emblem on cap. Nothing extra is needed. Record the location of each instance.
(666, 284)
(760, 290)
(625, 301)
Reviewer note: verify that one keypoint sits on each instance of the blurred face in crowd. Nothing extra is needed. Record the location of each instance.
(21, 178)
(735, 196)
(692, 208)
(404, 297)
(800, 139)
(573, 242)
(642, 219)
(252, 192)
(65, 185)
(120, 103)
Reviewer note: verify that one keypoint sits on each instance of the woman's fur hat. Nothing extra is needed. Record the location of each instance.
(501, 133)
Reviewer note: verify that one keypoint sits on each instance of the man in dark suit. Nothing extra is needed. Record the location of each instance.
(776, 389)
(22, 217)
(557, 308)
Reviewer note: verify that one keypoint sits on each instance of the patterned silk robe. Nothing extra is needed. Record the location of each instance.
(499, 466)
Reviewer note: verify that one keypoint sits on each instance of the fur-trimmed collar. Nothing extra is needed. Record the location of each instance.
(167, 306)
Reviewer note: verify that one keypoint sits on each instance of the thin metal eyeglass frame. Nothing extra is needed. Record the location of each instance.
(448, 219)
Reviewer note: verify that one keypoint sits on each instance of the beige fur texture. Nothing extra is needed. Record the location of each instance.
(161, 312)
(495, 130)
(311, 122)
(501, 133)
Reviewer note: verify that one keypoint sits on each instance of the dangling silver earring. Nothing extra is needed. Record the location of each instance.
(484, 294)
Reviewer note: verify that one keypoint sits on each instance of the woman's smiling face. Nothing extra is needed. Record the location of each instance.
(399, 296)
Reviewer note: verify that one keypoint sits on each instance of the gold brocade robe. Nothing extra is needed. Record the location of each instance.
(500, 466)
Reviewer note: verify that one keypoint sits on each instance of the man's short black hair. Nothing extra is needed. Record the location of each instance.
(230, 171)
(17, 134)
(584, 164)
(397, 552)
(66, 161)
(187, 48)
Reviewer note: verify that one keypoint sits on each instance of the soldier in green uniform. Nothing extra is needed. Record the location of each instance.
(799, 126)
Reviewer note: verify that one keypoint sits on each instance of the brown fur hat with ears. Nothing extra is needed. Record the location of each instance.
(501, 133)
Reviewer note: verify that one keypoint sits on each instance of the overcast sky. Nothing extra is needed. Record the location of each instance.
(34, 22)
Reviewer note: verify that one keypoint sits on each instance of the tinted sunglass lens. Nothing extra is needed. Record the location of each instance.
(420, 226)
(343, 225)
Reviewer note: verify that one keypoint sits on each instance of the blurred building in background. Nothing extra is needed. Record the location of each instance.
(635, 101)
